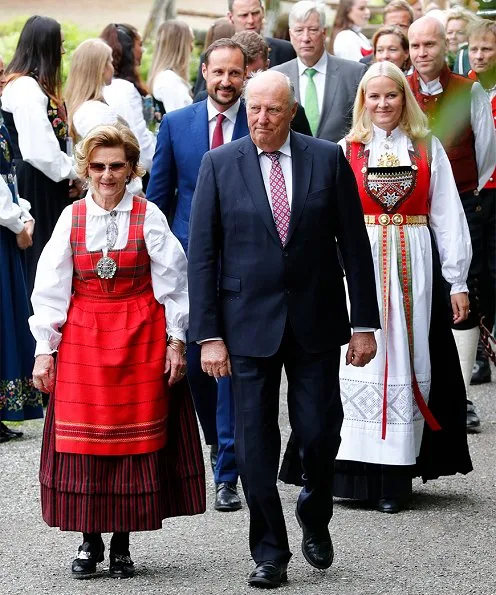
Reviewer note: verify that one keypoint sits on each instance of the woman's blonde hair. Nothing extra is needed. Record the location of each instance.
(85, 81)
(172, 50)
(413, 122)
(108, 135)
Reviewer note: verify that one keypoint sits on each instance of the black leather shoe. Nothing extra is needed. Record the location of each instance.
(121, 565)
(214, 451)
(84, 565)
(481, 372)
(268, 575)
(227, 498)
(316, 546)
(6, 431)
(390, 505)
(473, 421)
(4, 438)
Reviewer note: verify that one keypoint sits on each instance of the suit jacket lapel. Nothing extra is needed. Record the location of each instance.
(302, 173)
(241, 124)
(330, 88)
(295, 77)
(199, 127)
(249, 168)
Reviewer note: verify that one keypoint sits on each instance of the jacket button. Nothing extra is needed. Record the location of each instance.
(287, 291)
(285, 253)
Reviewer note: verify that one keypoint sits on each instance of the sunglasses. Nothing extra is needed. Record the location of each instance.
(115, 167)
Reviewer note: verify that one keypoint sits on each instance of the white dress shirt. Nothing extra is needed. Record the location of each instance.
(173, 91)
(39, 147)
(319, 79)
(126, 101)
(481, 121)
(53, 284)
(227, 125)
(348, 44)
(446, 216)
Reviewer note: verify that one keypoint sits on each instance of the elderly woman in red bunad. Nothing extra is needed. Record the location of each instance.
(120, 453)
(403, 415)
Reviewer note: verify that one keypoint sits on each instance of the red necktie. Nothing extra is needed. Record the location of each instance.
(218, 137)
(279, 197)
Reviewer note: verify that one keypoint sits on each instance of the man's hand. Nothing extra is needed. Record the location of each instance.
(175, 363)
(460, 306)
(215, 359)
(361, 349)
(44, 373)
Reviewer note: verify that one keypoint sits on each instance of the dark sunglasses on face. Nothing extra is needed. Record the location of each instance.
(115, 167)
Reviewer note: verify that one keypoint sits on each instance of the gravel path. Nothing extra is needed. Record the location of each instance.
(443, 545)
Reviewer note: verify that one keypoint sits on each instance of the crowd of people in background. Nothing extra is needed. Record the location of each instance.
(109, 184)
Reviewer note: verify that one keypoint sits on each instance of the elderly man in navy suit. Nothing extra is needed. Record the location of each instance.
(184, 137)
(266, 291)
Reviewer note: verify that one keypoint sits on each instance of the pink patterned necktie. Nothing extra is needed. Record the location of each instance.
(278, 196)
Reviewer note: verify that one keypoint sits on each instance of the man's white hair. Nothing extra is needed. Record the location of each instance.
(269, 75)
(301, 11)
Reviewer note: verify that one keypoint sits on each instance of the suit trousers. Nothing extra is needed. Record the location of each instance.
(215, 409)
(316, 416)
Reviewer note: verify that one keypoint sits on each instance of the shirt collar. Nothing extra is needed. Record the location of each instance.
(230, 113)
(320, 65)
(285, 149)
(126, 204)
(432, 87)
(381, 135)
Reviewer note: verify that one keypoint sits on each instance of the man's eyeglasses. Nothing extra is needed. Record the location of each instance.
(312, 31)
(115, 167)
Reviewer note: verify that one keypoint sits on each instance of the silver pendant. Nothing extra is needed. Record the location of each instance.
(112, 230)
(106, 267)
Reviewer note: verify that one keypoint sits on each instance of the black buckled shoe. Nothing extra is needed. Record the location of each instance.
(268, 575)
(473, 421)
(481, 372)
(316, 547)
(389, 505)
(227, 498)
(121, 565)
(5, 431)
(84, 565)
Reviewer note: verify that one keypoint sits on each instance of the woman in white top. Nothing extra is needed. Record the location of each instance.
(126, 92)
(91, 69)
(347, 40)
(35, 116)
(169, 74)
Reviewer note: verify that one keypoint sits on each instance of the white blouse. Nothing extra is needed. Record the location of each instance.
(90, 114)
(446, 216)
(12, 215)
(126, 101)
(53, 284)
(25, 100)
(349, 42)
(173, 91)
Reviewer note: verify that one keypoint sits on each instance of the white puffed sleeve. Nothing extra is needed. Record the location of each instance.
(90, 114)
(171, 90)
(39, 146)
(481, 120)
(10, 213)
(52, 287)
(169, 271)
(125, 99)
(448, 222)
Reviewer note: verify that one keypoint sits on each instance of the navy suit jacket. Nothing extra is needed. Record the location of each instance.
(182, 141)
(262, 283)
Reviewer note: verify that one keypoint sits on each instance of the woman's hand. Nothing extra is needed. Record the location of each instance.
(460, 305)
(175, 364)
(44, 373)
(24, 238)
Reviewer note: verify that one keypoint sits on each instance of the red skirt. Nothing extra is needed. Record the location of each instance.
(89, 494)
(110, 396)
